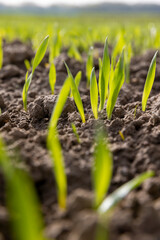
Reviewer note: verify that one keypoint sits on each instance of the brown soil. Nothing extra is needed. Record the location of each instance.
(138, 216)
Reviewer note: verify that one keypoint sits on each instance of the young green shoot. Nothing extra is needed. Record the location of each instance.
(104, 76)
(89, 65)
(76, 95)
(54, 49)
(54, 146)
(55, 149)
(149, 82)
(27, 64)
(75, 132)
(94, 93)
(115, 85)
(121, 135)
(102, 168)
(114, 198)
(100, 70)
(74, 53)
(52, 77)
(40, 53)
(135, 111)
(77, 80)
(25, 90)
(22, 201)
(36, 61)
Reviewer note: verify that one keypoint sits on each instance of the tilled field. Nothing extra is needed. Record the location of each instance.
(138, 216)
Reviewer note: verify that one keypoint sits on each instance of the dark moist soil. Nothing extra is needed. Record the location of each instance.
(137, 217)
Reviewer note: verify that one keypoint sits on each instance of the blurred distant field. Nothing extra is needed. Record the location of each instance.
(143, 31)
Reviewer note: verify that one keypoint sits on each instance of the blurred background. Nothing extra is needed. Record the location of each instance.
(81, 23)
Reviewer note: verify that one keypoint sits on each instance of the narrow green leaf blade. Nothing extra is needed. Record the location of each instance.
(94, 93)
(115, 85)
(78, 78)
(149, 82)
(62, 98)
(105, 72)
(77, 81)
(40, 53)
(22, 201)
(102, 169)
(52, 77)
(89, 65)
(25, 90)
(76, 95)
(122, 192)
(58, 166)
(54, 146)
(75, 132)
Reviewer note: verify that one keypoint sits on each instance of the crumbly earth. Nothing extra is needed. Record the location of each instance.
(137, 217)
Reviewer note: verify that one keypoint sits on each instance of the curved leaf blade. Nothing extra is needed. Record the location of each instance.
(22, 201)
(52, 77)
(104, 76)
(89, 65)
(62, 98)
(55, 149)
(102, 169)
(54, 146)
(122, 192)
(94, 93)
(149, 81)
(76, 95)
(115, 85)
(25, 90)
(40, 53)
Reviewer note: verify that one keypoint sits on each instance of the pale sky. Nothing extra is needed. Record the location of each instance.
(75, 2)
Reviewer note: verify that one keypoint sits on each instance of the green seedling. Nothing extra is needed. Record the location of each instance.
(54, 146)
(57, 111)
(54, 50)
(102, 169)
(40, 53)
(100, 70)
(36, 61)
(56, 42)
(25, 89)
(104, 76)
(1, 52)
(27, 64)
(55, 149)
(77, 80)
(94, 93)
(52, 77)
(120, 43)
(114, 198)
(74, 52)
(22, 201)
(135, 111)
(89, 65)
(75, 132)
(121, 135)
(115, 85)
(149, 82)
(76, 95)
